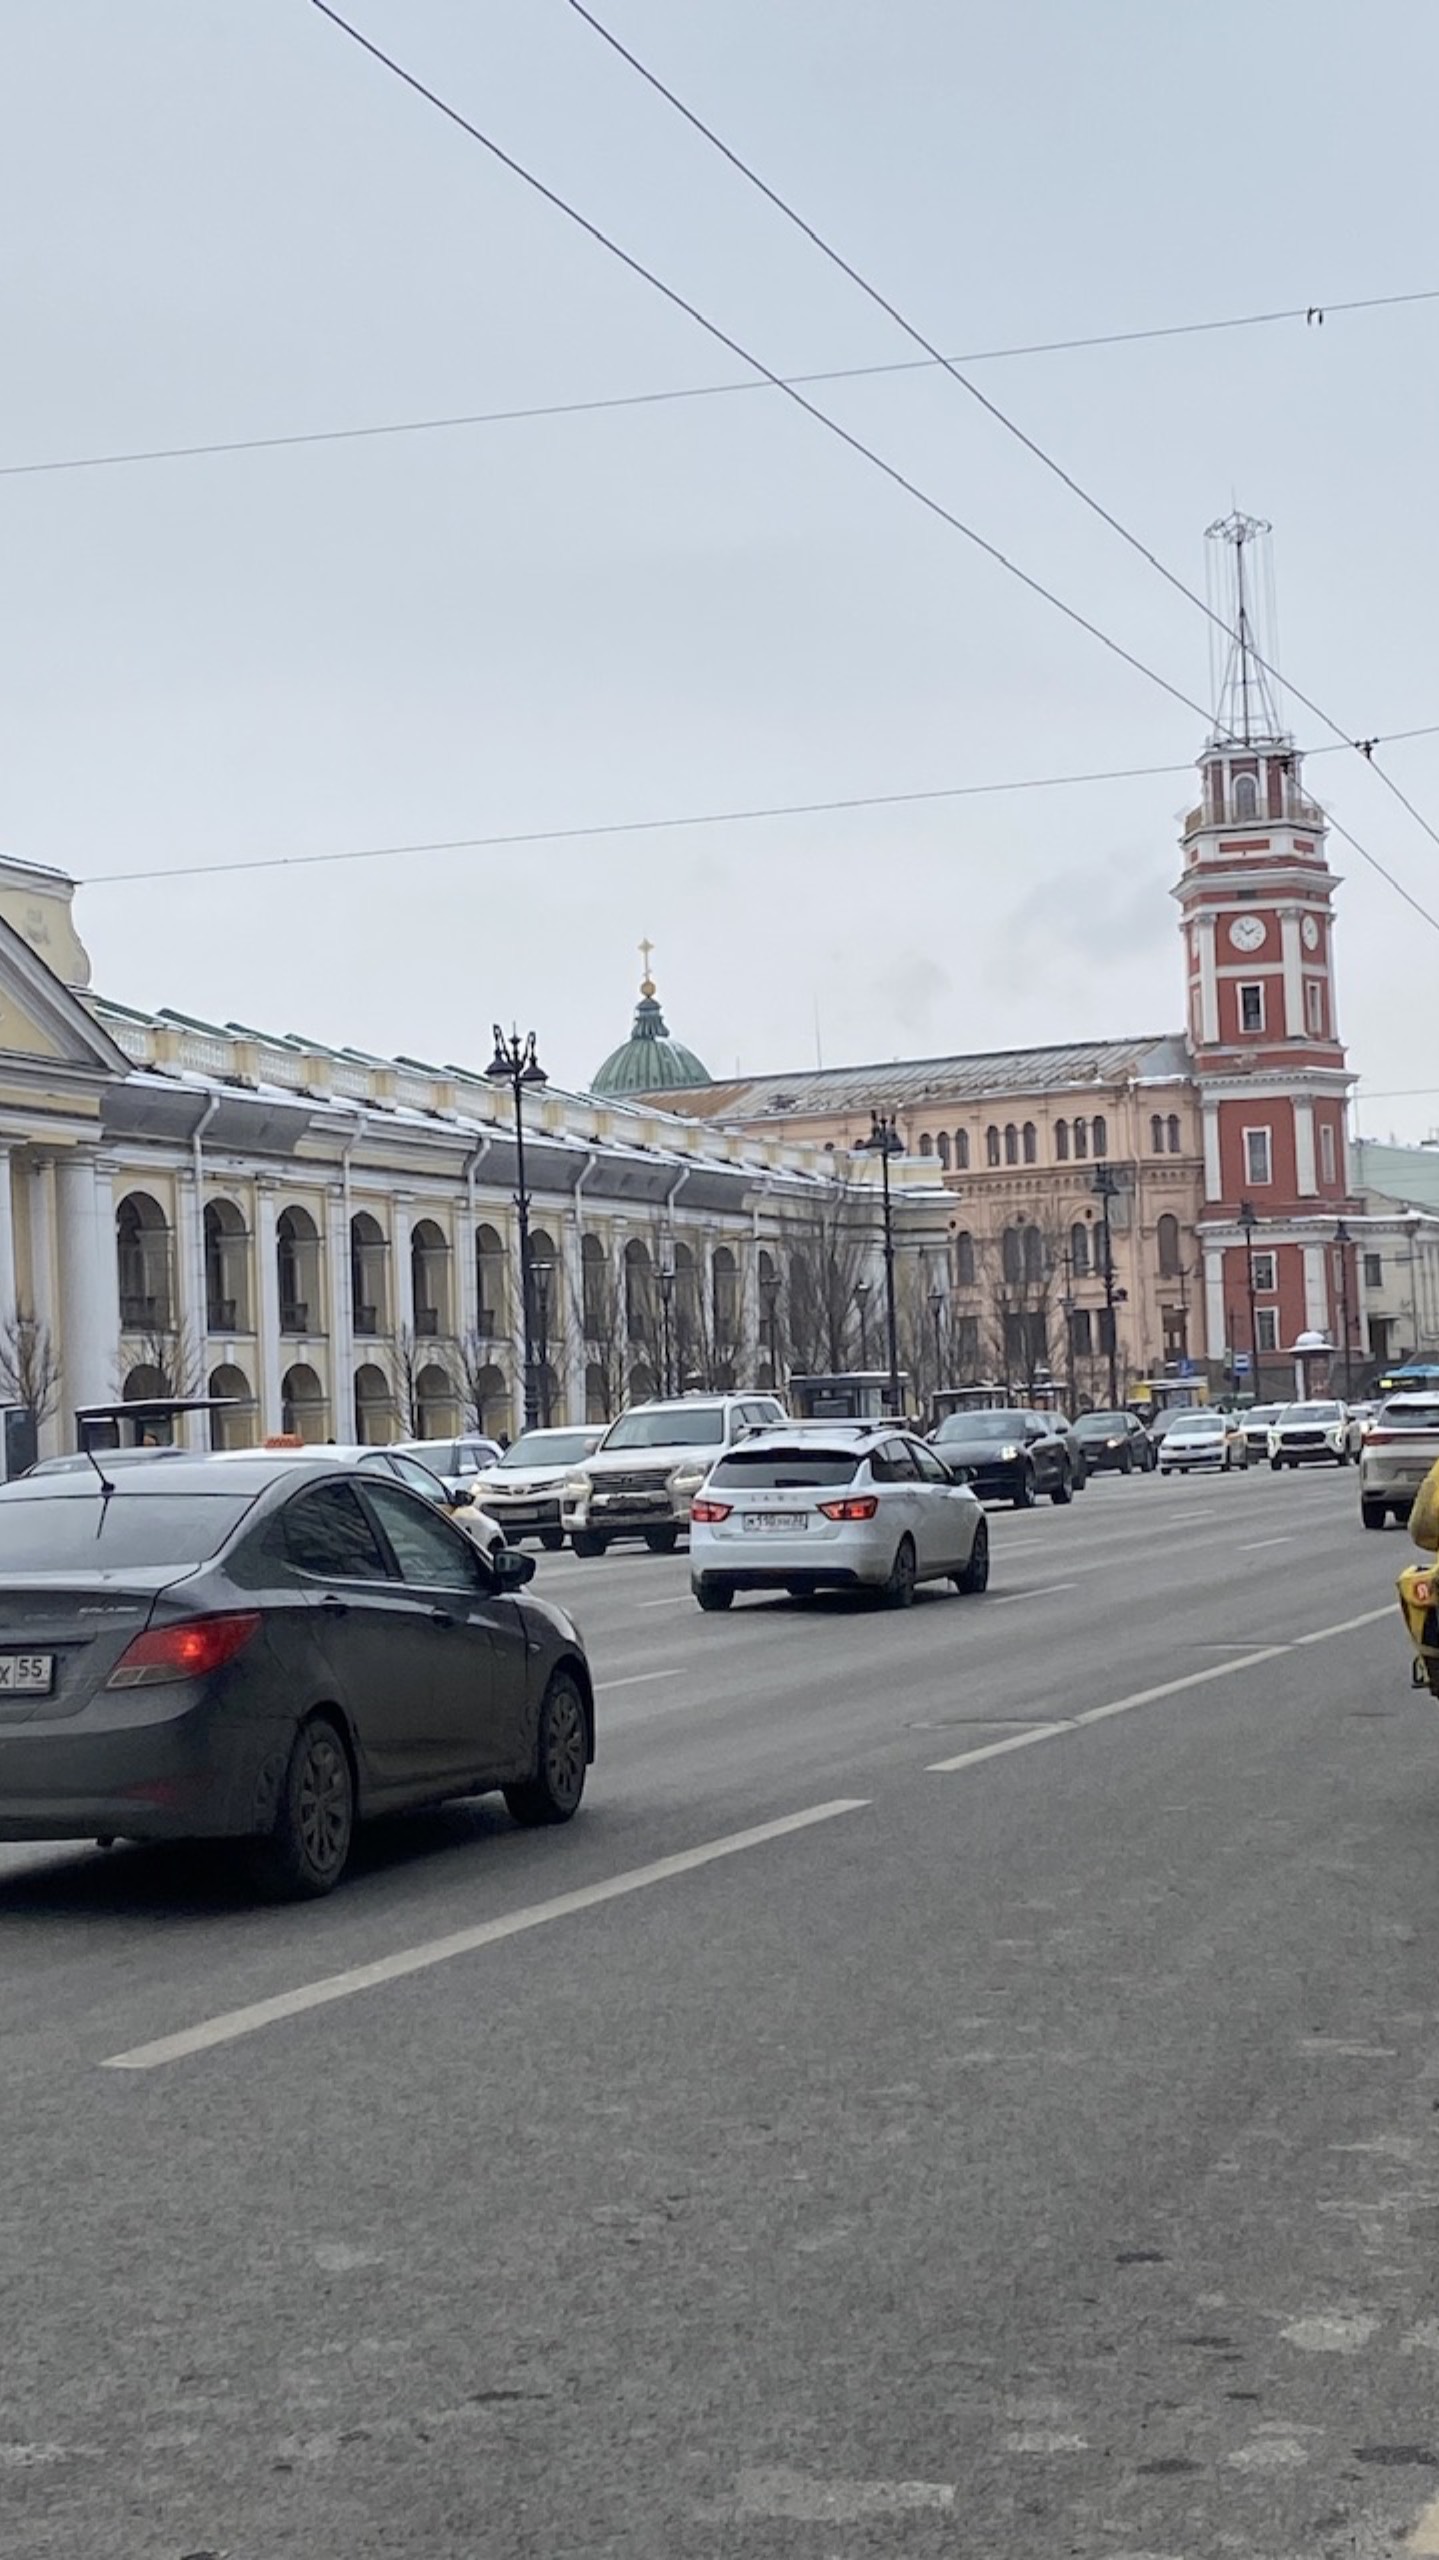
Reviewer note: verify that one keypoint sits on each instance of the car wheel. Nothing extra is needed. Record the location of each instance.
(1063, 1491)
(714, 1595)
(1126, 1463)
(898, 1591)
(1024, 1491)
(587, 1542)
(974, 1576)
(562, 1750)
(1163, 1470)
(1373, 1514)
(662, 1542)
(552, 1540)
(309, 1849)
(1274, 1465)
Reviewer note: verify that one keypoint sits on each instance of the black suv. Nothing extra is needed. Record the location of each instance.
(1117, 1441)
(1009, 1454)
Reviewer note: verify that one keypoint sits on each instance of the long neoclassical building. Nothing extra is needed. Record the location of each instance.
(328, 1238)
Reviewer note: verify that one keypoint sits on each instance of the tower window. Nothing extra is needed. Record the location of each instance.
(1328, 1151)
(1173, 1127)
(1258, 1156)
(1246, 796)
(1251, 1007)
(1265, 1283)
(1081, 1137)
(1314, 1004)
(1156, 1134)
(1266, 1327)
(1011, 1144)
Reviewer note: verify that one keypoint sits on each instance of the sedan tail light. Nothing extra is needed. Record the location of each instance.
(856, 1506)
(189, 1650)
(710, 1511)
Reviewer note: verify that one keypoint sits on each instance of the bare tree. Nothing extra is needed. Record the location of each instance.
(411, 1356)
(602, 1320)
(922, 1325)
(29, 1366)
(172, 1353)
(824, 1246)
(1023, 1291)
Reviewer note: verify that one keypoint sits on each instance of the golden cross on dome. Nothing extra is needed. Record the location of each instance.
(647, 984)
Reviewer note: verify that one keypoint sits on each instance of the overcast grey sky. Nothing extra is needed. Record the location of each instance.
(224, 221)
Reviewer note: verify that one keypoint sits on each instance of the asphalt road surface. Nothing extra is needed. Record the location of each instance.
(967, 2084)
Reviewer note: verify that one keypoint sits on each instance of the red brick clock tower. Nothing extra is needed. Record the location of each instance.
(1256, 896)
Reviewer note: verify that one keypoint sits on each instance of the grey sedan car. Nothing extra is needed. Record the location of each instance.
(270, 1649)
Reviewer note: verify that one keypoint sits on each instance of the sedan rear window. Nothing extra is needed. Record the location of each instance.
(88, 1533)
(1408, 1416)
(773, 1470)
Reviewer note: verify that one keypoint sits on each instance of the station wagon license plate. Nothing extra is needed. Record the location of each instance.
(775, 1519)
(32, 1674)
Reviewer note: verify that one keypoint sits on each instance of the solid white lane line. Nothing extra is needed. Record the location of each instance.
(634, 1679)
(235, 2023)
(1166, 1689)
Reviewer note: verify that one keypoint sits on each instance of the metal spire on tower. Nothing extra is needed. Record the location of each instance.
(1246, 708)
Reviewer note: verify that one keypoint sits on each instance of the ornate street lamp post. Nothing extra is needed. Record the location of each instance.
(863, 1292)
(542, 1275)
(769, 1289)
(1106, 1186)
(885, 1141)
(515, 1064)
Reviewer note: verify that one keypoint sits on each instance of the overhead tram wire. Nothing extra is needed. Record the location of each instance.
(374, 431)
(693, 818)
(949, 365)
(679, 302)
(856, 444)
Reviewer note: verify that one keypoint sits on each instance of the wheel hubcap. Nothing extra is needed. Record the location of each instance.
(324, 1803)
(565, 1748)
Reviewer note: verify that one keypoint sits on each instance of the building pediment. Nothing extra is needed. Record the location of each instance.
(43, 1023)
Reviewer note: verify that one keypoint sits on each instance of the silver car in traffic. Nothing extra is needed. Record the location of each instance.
(856, 1506)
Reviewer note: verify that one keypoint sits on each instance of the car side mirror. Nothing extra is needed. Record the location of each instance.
(511, 1568)
(958, 1474)
(456, 1497)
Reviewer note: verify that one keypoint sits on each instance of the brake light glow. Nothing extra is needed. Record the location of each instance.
(189, 1650)
(710, 1511)
(855, 1506)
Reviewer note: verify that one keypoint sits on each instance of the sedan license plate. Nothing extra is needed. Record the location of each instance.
(30, 1673)
(775, 1519)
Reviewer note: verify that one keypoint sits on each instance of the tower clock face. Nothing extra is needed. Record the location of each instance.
(1247, 932)
(1310, 931)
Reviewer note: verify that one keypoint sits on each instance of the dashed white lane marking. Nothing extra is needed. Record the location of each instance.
(1045, 1591)
(235, 2023)
(1161, 1689)
(676, 1600)
(793, 2498)
(1256, 1546)
(1330, 2333)
(634, 1679)
(1423, 2542)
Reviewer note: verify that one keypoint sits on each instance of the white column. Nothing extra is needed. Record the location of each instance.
(1306, 1179)
(89, 1281)
(574, 1287)
(56, 1435)
(190, 1309)
(1216, 1321)
(268, 1346)
(402, 1277)
(1205, 927)
(341, 1321)
(8, 1295)
(1316, 1288)
(1292, 950)
(1213, 1167)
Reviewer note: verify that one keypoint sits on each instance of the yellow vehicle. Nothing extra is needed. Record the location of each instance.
(1419, 1587)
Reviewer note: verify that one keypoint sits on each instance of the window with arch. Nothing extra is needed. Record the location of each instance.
(1011, 1143)
(233, 1425)
(1081, 1137)
(1061, 1141)
(991, 1144)
(227, 1273)
(596, 1296)
(430, 1276)
(1099, 1135)
(1245, 796)
(639, 1294)
(1011, 1255)
(1172, 1126)
(1033, 1254)
(941, 1148)
(1156, 1133)
(724, 1287)
(143, 1254)
(964, 1268)
(369, 1254)
(297, 1266)
(548, 1295)
(926, 1143)
(1079, 1250)
(1030, 1142)
(374, 1405)
(961, 1151)
(303, 1410)
(491, 1283)
(1167, 1237)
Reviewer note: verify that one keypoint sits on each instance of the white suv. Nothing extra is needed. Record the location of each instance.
(644, 1475)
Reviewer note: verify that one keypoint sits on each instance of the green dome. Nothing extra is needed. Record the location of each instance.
(650, 1061)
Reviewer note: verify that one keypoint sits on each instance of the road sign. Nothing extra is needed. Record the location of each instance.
(1241, 1364)
(1187, 1369)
